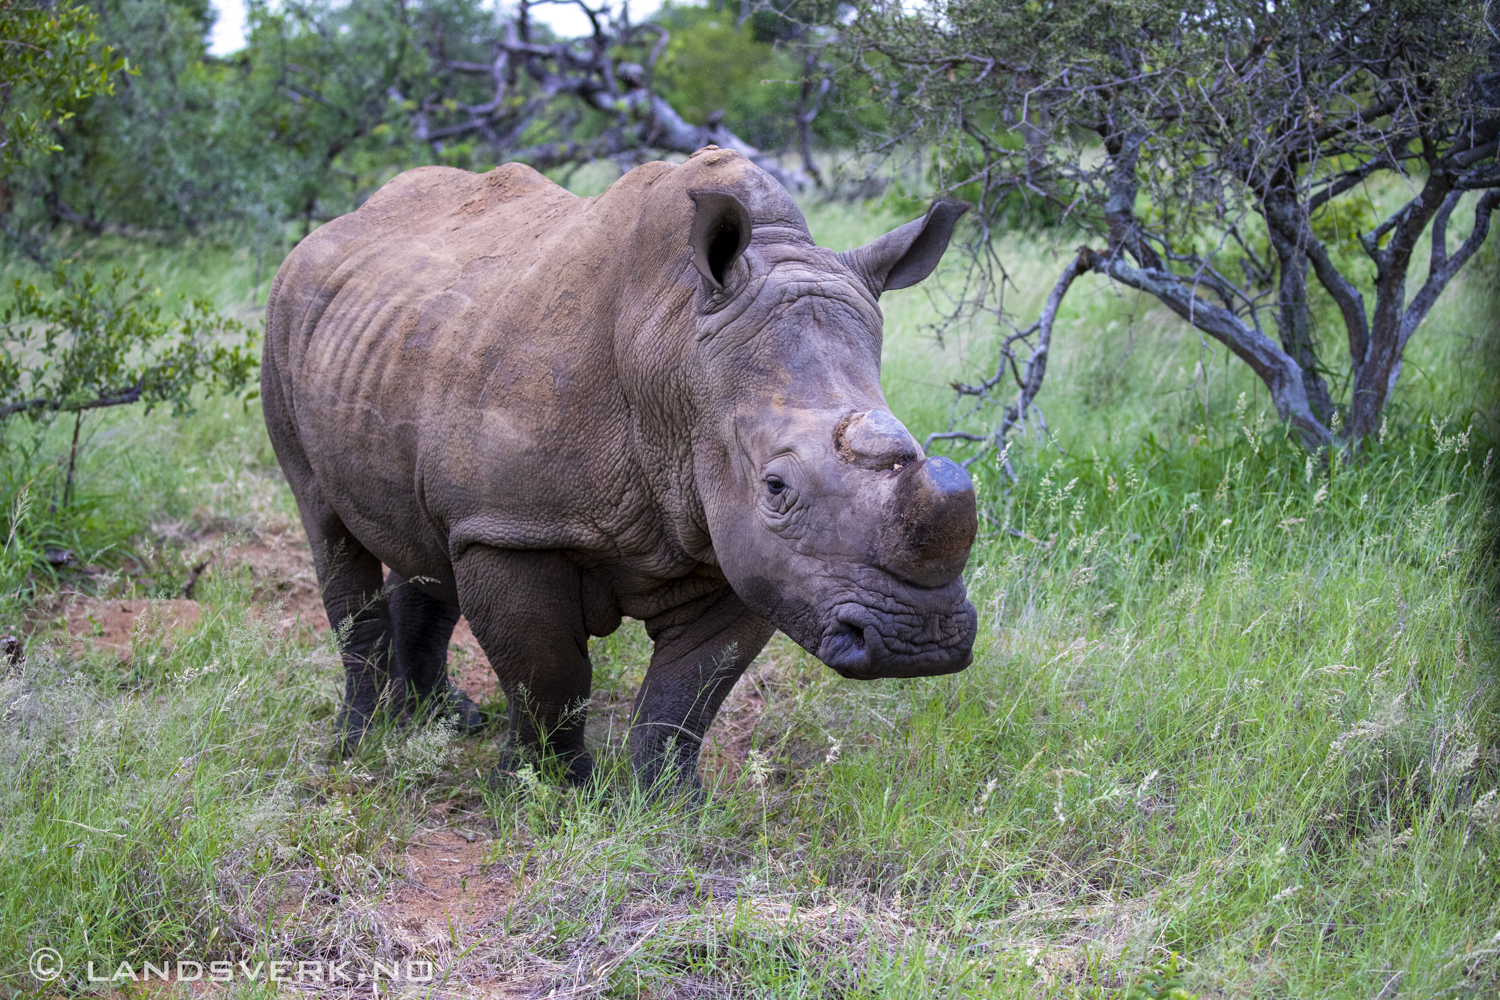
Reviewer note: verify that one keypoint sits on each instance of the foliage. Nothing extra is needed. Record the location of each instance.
(109, 342)
(194, 142)
(327, 74)
(1163, 981)
(49, 61)
(1215, 150)
(163, 150)
(329, 99)
(712, 65)
(752, 69)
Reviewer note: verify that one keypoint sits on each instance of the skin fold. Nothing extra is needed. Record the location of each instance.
(548, 412)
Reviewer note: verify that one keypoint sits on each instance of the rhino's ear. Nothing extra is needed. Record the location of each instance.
(906, 255)
(720, 233)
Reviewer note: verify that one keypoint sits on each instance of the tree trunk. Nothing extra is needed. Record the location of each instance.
(809, 101)
(1394, 321)
(1119, 208)
(1294, 320)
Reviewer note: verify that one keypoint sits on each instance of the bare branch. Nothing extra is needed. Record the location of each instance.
(589, 71)
(1347, 181)
(661, 44)
(1443, 267)
(1280, 372)
(118, 397)
(1029, 384)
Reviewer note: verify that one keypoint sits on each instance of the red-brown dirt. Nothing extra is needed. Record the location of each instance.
(111, 623)
(279, 561)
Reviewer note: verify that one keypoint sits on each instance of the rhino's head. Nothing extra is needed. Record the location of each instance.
(825, 515)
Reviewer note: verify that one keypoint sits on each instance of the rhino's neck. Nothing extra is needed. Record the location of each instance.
(654, 358)
(670, 328)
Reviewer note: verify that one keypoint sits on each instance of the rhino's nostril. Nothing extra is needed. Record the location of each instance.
(844, 650)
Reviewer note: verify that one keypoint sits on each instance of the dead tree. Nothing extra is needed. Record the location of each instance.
(564, 89)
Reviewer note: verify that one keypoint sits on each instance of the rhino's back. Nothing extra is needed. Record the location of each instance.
(411, 239)
(444, 354)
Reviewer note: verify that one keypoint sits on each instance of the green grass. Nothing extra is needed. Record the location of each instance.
(1225, 704)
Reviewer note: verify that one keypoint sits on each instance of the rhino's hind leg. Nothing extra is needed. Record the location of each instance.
(526, 610)
(423, 626)
(350, 578)
(348, 575)
(701, 649)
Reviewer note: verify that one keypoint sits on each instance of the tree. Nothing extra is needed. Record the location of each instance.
(1220, 153)
(90, 344)
(49, 61)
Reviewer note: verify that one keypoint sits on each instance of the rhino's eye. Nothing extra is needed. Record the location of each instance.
(775, 485)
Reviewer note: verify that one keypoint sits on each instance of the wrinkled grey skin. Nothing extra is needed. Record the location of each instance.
(551, 411)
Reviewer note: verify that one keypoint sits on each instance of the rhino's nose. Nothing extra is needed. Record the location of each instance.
(876, 440)
(933, 521)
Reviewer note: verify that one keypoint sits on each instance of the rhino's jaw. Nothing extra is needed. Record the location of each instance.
(871, 625)
(864, 643)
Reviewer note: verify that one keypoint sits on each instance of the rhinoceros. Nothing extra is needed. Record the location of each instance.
(547, 412)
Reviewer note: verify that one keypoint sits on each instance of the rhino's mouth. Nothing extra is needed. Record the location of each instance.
(864, 644)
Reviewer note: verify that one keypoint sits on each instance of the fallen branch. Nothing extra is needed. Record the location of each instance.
(594, 72)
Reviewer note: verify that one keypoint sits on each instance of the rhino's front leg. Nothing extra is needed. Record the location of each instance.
(702, 648)
(526, 610)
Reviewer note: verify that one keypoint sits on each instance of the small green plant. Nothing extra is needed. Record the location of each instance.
(1163, 981)
(424, 752)
(541, 800)
(96, 342)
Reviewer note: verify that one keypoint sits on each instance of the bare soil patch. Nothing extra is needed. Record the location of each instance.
(278, 559)
(111, 623)
(280, 564)
(450, 891)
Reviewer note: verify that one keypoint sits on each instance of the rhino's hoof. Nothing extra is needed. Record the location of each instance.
(668, 779)
(517, 767)
(579, 770)
(351, 727)
(687, 792)
(447, 702)
(453, 701)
